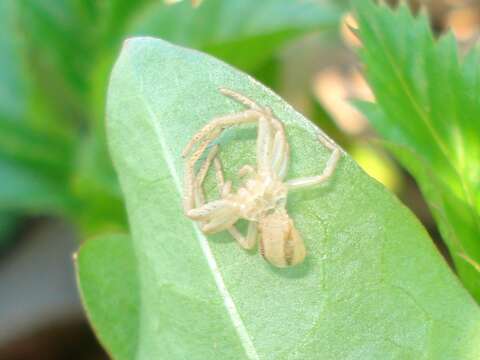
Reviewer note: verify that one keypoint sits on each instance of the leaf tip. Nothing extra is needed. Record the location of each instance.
(129, 42)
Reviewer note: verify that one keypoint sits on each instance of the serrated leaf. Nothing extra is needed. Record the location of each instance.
(428, 106)
(373, 286)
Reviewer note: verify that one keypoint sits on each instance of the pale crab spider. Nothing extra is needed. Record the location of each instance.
(262, 198)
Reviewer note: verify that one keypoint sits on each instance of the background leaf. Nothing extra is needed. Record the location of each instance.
(32, 162)
(243, 33)
(428, 108)
(373, 285)
(110, 291)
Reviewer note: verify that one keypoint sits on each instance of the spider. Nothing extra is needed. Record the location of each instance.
(262, 198)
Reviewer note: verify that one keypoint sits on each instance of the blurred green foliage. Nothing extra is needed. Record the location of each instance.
(55, 58)
(428, 110)
(8, 224)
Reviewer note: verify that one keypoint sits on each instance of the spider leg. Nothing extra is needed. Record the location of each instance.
(327, 172)
(210, 210)
(224, 187)
(280, 154)
(249, 241)
(198, 182)
(242, 99)
(283, 166)
(202, 173)
(217, 125)
(269, 128)
(219, 214)
(198, 193)
(189, 177)
(216, 215)
(223, 221)
(264, 144)
(272, 147)
(204, 137)
(246, 170)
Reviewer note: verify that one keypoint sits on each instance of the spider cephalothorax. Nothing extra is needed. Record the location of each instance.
(262, 197)
(259, 196)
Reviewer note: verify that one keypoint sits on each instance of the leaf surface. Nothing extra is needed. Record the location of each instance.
(373, 285)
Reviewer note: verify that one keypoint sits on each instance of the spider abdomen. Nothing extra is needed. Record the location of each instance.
(280, 242)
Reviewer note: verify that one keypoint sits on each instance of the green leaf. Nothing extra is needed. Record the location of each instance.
(373, 285)
(110, 291)
(32, 162)
(428, 109)
(46, 141)
(55, 32)
(243, 33)
(12, 87)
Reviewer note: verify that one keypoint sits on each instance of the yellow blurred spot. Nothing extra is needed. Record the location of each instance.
(377, 165)
(470, 261)
(347, 24)
(195, 3)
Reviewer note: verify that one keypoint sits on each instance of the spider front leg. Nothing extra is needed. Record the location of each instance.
(217, 125)
(190, 180)
(327, 172)
(272, 146)
(280, 153)
(205, 137)
(214, 216)
(224, 188)
(220, 214)
(199, 195)
(264, 144)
